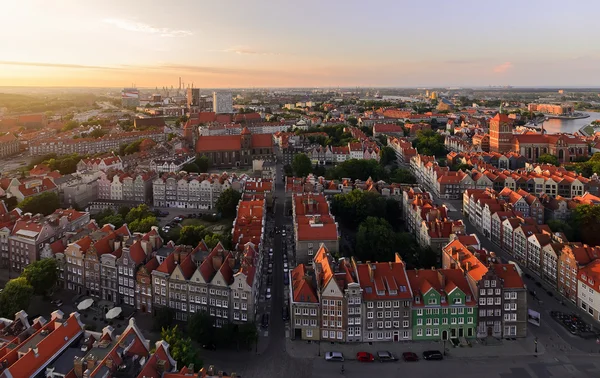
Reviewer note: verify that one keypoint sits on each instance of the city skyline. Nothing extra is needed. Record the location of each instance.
(382, 44)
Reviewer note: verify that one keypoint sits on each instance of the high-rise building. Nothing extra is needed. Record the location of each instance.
(500, 133)
(193, 95)
(222, 102)
(130, 97)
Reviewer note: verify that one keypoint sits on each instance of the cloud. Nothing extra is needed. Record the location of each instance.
(503, 67)
(241, 50)
(140, 27)
(54, 65)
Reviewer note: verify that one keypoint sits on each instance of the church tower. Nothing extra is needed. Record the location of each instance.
(500, 133)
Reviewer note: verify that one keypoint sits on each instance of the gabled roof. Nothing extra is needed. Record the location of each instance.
(509, 274)
(303, 286)
(208, 143)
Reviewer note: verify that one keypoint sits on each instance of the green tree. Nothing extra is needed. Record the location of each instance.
(45, 203)
(200, 327)
(302, 165)
(358, 169)
(382, 139)
(15, 297)
(143, 224)
(355, 207)
(387, 156)
(163, 318)
(97, 133)
(288, 170)
(375, 240)
(248, 334)
(227, 203)
(429, 142)
(70, 125)
(548, 159)
(138, 213)
(203, 163)
(180, 347)
(191, 168)
(562, 226)
(192, 235)
(461, 167)
(115, 219)
(586, 223)
(42, 276)
(352, 121)
(402, 176)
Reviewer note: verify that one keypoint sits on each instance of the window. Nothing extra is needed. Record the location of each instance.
(370, 315)
(369, 304)
(436, 332)
(325, 334)
(419, 332)
(482, 301)
(379, 324)
(419, 322)
(428, 332)
(419, 312)
(405, 324)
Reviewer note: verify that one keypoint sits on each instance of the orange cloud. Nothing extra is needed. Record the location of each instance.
(503, 67)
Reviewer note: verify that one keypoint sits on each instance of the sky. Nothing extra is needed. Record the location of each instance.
(309, 43)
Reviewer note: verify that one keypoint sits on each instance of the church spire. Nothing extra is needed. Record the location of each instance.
(500, 109)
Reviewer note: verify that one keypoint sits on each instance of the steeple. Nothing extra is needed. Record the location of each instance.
(500, 109)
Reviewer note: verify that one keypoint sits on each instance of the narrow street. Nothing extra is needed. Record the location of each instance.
(550, 333)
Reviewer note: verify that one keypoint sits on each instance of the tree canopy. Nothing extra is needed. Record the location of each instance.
(302, 165)
(387, 156)
(428, 142)
(227, 203)
(203, 163)
(140, 219)
(548, 159)
(402, 176)
(586, 223)
(15, 297)
(181, 347)
(358, 169)
(45, 203)
(42, 276)
(355, 207)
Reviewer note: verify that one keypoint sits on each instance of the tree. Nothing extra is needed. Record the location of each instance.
(45, 203)
(355, 207)
(248, 334)
(190, 168)
(203, 163)
(382, 139)
(402, 176)
(461, 167)
(387, 156)
(180, 347)
(302, 165)
(97, 133)
(15, 297)
(288, 170)
(375, 240)
(358, 169)
(138, 213)
(352, 121)
(548, 159)
(200, 328)
(562, 226)
(70, 125)
(227, 203)
(429, 142)
(586, 223)
(192, 235)
(41, 275)
(143, 224)
(163, 318)
(115, 219)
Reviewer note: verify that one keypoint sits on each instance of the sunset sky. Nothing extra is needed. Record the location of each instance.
(228, 43)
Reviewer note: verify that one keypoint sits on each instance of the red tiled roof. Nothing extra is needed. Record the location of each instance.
(510, 275)
(219, 143)
(167, 265)
(386, 280)
(303, 290)
(262, 140)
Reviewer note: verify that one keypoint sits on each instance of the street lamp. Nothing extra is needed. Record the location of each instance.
(536, 346)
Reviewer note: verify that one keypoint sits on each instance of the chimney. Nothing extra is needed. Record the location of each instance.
(371, 273)
(211, 370)
(468, 266)
(78, 367)
(109, 363)
(91, 362)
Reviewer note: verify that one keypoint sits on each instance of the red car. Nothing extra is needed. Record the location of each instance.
(365, 357)
(410, 356)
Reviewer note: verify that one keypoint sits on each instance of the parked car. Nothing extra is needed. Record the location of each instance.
(433, 355)
(286, 279)
(365, 357)
(268, 293)
(177, 219)
(334, 356)
(410, 357)
(285, 313)
(385, 356)
(269, 281)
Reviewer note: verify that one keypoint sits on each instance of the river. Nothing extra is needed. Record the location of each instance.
(569, 125)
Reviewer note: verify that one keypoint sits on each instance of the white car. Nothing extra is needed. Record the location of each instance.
(334, 356)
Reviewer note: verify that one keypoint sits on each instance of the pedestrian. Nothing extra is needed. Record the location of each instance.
(342, 369)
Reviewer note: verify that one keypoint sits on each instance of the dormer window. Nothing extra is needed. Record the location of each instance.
(417, 300)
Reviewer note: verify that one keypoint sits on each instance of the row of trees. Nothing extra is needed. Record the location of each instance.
(192, 235)
(131, 148)
(45, 203)
(428, 142)
(587, 168)
(583, 225)
(138, 219)
(38, 278)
